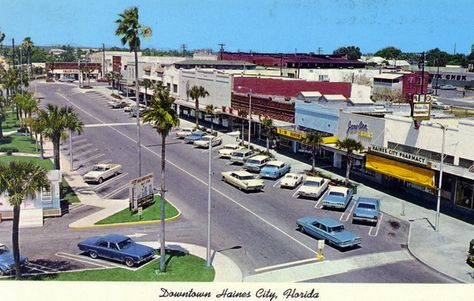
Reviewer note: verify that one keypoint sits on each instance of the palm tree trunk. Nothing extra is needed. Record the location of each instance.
(197, 112)
(162, 205)
(15, 241)
(137, 98)
(313, 153)
(36, 141)
(1, 128)
(268, 145)
(348, 169)
(243, 138)
(41, 146)
(57, 164)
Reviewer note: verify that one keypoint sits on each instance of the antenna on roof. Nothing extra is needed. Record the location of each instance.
(221, 50)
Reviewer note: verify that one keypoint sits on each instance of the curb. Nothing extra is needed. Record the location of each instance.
(131, 223)
(426, 264)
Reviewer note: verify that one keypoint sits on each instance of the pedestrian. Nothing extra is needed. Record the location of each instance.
(278, 143)
(274, 143)
(463, 93)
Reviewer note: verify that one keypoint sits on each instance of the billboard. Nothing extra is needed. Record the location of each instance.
(141, 192)
(116, 63)
(421, 106)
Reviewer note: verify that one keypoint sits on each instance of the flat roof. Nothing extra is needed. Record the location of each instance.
(388, 75)
(311, 93)
(215, 63)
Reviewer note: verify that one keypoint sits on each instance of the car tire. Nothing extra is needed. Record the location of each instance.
(129, 262)
(301, 229)
(93, 254)
(100, 181)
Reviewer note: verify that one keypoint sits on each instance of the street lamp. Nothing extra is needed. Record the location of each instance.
(208, 253)
(250, 110)
(440, 180)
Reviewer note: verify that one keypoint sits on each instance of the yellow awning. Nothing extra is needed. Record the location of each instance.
(332, 139)
(399, 170)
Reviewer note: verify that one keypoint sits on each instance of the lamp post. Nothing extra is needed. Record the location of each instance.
(208, 253)
(440, 180)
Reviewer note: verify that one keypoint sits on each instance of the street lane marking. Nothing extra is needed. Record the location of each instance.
(377, 227)
(109, 181)
(90, 158)
(74, 207)
(80, 154)
(272, 267)
(116, 191)
(296, 194)
(82, 259)
(347, 214)
(201, 181)
(277, 184)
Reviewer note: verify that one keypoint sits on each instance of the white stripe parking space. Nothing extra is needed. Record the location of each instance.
(89, 159)
(116, 191)
(376, 228)
(77, 155)
(314, 270)
(109, 181)
(347, 214)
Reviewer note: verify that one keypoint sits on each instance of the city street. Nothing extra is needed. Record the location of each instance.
(257, 230)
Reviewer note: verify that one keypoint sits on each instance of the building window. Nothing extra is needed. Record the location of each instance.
(175, 88)
(465, 162)
(465, 195)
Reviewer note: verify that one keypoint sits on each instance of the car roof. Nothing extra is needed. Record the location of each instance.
(208, 136)
(242, 173)
(367, 200)
(338, 189)
(292, 175)
(114, 238)
(327, 221)
(232, 145)
(187, 129)
(318, 179)
(275, 162)
(244, 150)
(259, 157)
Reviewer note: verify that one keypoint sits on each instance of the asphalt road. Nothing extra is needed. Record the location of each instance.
(455, 98)
(256, 229)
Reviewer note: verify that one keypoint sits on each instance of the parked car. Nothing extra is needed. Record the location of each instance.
(185, 132)
(117, 247)
(117, 104)
(7, 263)
(195, 136)
(255, 163)
(133, 111)
(274, 169)
(337, 197)
(129, 108)
(66, 79)
(291, 180)
(228, 149)
(447, 87)
(240, 156)
(366, 210)
(328, 229)
(101, 172)
(439, 105)
(243, 180)
(204, 141)
(313, 187)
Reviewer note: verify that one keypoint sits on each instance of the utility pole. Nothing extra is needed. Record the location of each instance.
(221, 49)
(208, 253)
(422, 71)
(13, 53)
(440, 180)
(183, 49)
(319, 50)
(103, 60)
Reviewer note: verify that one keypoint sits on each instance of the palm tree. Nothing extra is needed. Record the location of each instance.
(164, 118)
(267, 124)
(2, 37)
(20, 180)
(243, 115)
(28, 46)
(195, 93)
(146, 83)
(130, 31)
(3, 114)
(211, 110)
(55, 121)
(313, 139)
(350, 145)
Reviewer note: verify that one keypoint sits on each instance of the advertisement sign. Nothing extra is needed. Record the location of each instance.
(421, 106)
(399, 154)
(290, 134)
(141, 192)
(116, 63)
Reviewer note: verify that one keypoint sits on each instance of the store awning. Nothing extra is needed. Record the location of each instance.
(399, 170)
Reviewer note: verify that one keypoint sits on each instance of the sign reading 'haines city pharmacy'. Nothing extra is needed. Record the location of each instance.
(399, 154)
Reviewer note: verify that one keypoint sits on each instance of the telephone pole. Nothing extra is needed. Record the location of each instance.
(221, 48)
(183, 49)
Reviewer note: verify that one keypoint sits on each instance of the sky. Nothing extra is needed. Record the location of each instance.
(244, 25)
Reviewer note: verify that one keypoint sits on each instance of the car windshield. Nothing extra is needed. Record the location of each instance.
(249, 177)
(99, 168)
(312, 183)
(250, 161)
(366, 206)
(336, 228)
(271, 167)
(237, 154)
(337, 193)
(125, 243)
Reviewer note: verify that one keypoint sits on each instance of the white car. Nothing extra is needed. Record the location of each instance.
(291, 180)
(313, 187)
(243, 180)
(101, 172)
(128, 108)
(204, 141)
(228, 149)
(184, 132)
(435, 104)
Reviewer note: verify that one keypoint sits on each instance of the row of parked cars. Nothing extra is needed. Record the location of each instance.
(127, 106)
(333, 197)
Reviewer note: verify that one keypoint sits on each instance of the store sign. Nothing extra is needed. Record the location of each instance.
(450, 77)
(361, 129)
(399, 154)
(291, 134)
(141, 192)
